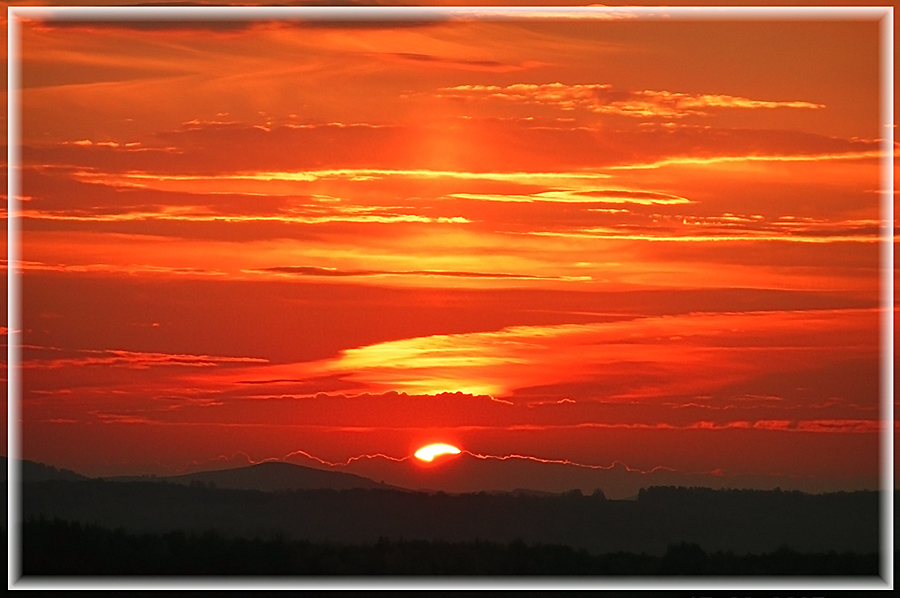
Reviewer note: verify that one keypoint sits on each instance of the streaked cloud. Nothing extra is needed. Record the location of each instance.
(334, 272)
(132, 269)
(603, 98)
(462, 149)
(616, 196)
(621, 359)
(188, 215)
(128, 359)
(491, 66)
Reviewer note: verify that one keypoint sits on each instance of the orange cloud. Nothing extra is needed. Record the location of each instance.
(136, 359)
(491, 66)
(605, 99)
(626, 360)
(334, 272)
(453, 148)
(616, 196)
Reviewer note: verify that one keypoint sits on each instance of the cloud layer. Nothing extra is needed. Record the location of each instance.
(554, 240)
(603, 98)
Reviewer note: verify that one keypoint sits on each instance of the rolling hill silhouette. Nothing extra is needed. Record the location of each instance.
(466, 473)
(33, 471)
(269, 477)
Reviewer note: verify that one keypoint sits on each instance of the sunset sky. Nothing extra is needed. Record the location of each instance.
(587, 239)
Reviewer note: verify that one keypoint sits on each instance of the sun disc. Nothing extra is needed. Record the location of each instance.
(427, 453)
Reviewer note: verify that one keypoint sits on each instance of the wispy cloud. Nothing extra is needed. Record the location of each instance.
(500, 150)
(431, 60)
(189, 215)
(836, 232)
(618, 359)
(603, 98)
(615, 196)
(120, 268)
(133, 359)
(336, 272)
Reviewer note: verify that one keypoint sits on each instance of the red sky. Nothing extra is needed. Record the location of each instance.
(587, 240)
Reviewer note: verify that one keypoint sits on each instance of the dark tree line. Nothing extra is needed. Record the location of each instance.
(57, 547)
(753, 522)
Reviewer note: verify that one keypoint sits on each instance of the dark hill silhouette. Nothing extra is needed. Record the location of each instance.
(269, 477)
(38, 472)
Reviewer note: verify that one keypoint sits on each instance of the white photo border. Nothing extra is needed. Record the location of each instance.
(881, 14)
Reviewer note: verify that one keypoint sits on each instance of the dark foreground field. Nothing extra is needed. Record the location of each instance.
(738, 521)
(56, 547)
(96, 527)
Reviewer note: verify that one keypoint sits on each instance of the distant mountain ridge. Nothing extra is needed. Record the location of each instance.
(33, 471)
(269, 476)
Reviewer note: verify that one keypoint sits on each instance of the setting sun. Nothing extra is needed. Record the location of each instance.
(427, 453)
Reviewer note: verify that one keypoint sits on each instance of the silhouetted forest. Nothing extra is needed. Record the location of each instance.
(63, 548)
(740, 521)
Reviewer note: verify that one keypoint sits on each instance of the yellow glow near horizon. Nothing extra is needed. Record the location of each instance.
(428, 453)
